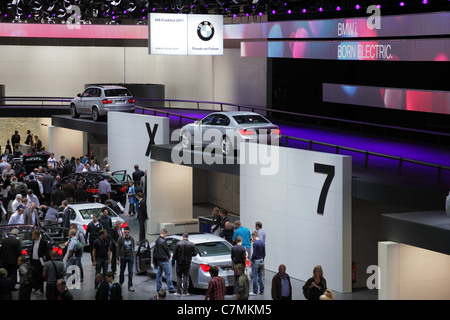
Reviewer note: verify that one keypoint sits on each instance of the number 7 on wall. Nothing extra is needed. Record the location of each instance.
(329, 171)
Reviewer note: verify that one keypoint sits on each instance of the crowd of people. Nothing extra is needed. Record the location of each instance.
(25, 197)
(248, 253)
(40, 198)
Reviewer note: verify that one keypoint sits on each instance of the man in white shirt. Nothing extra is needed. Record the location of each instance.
(17, 217)
(52, 161)
(79, 167)
(94, 167)
(16, 202)
(32, 197)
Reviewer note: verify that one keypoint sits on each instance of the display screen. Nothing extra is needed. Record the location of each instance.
(376, 50)
(391, 98)
(425, 24)
(185, 34)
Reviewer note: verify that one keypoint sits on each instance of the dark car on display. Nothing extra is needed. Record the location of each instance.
(55, 241)
(27, 163)
(91, 180)
(97, 101)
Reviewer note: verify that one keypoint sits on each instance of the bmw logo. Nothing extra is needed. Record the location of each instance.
(205, 30)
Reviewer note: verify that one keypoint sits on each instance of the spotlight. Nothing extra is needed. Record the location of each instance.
(248, 10)
(320, 9)
(260, 9)
(425, 1)
(235, 10)
(273, 8)
(338, 8)
(401, 4)
(357, 7)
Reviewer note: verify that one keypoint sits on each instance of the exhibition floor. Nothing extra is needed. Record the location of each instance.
(145, 285)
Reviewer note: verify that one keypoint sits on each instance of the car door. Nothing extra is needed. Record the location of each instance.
(82, 101)
(122, 177)
(89, 99)
(205, 124)
(221, 123)
(143, 256)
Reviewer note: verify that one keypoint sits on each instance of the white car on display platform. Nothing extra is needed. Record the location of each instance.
(81, 214)
(229, 129)
(97, 101)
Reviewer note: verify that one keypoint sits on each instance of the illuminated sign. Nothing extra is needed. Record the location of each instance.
(185, 34)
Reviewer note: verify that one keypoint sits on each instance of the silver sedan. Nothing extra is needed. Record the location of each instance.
(212, 251)
(228, 130)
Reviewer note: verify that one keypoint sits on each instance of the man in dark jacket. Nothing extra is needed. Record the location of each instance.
(161, 257)
(281, 285)
(92, 231)
(182, 255)
(102, 292)
(10, 251)
(38, 255)
(142, 215)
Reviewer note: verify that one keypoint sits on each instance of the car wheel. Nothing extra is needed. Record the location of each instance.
(73, 111)
(186, 140)
(227, 146)
(95, 114)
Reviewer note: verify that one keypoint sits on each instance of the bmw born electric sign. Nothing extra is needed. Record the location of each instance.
(180, 34)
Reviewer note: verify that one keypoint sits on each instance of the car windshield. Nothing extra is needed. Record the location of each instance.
(89, 212)
(211, 249)
(96, 178)
(117, 93)
(25, 237)
(250, 119)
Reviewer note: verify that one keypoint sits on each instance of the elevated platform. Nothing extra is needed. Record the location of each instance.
(194, 158)
(427, 230)
(85, 124)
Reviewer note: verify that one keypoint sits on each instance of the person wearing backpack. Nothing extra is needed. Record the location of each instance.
(81, 244)
(25, 278)
(72, 248)
(115, 289)
(53, 270)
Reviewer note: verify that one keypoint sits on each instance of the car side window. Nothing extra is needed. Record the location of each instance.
(96, 92)
(171, 243)
(208, 120)
(86, 92)
(72, 214)
(222, 120)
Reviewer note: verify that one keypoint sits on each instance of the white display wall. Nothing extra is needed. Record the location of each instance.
(128, 139)
(412, 273)
(63, 71)
(286, 203)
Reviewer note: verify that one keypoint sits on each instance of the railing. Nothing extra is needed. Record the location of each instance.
(233, 107)
(33, 102)
(367, 154)
(401, 160)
